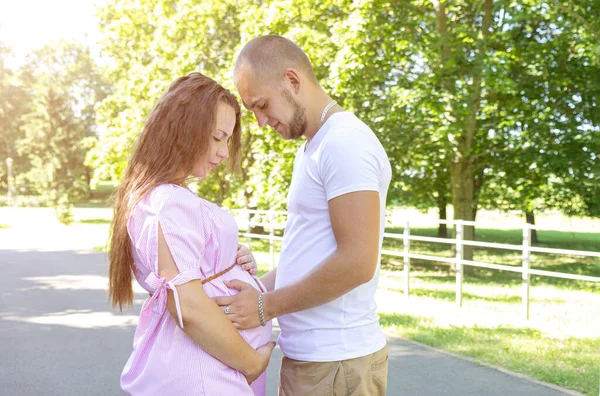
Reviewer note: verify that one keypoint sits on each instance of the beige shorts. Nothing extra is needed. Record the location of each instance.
(366, 376)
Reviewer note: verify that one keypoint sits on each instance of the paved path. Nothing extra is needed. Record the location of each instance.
(58, 337)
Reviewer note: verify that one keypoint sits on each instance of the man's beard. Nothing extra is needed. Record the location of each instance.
(298, 124)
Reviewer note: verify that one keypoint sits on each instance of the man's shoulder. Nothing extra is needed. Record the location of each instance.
(346, 121)
(349, 131)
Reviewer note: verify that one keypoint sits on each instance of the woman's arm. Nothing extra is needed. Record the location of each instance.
(206, 324)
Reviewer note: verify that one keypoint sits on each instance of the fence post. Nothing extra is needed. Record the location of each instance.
(406, 259)
(459, 265)
(271, 241)
(525, 273)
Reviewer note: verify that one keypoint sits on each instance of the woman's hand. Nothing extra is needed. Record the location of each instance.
(264, 353)
(242, 308)
(245, 259)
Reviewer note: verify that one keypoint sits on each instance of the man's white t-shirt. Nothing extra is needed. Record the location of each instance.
(343, 157)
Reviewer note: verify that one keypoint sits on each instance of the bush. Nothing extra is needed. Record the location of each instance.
(64, 214)
(27, 201)
(102, 190)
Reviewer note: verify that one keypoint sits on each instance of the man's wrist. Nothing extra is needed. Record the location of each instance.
(268, 308)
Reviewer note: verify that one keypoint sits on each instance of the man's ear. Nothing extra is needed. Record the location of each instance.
(292, 77)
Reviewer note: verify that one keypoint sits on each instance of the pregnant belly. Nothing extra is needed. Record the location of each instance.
(254, 337)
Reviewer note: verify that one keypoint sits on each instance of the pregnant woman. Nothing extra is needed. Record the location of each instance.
(181, 249)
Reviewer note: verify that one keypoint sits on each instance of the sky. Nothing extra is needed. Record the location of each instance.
(26, 25)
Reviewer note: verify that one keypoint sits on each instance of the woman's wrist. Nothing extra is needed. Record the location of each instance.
(253, 364)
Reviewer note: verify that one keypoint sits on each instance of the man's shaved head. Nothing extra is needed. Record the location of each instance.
(269, 57)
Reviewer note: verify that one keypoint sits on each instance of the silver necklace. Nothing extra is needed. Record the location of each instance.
(325, 110)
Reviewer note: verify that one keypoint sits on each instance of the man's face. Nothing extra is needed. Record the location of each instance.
(272, 104)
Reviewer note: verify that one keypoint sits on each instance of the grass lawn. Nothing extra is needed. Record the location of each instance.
(94, 221)
(550, 262)
(560, 344)
(569, 362)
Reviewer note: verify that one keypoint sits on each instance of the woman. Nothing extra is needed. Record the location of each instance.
(182, 249)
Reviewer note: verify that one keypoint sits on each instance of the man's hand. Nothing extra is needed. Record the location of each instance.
(243, 307)
(245, 259)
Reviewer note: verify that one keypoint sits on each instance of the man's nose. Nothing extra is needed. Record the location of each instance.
(261, 119)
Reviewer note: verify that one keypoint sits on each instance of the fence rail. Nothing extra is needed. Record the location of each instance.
(458, 260)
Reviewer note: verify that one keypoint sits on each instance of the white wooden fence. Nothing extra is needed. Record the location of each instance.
(257, 218)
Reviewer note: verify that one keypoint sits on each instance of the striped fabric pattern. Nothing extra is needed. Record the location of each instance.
(202, 239)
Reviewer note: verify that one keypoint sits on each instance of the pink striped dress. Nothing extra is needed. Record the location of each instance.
(203, 240)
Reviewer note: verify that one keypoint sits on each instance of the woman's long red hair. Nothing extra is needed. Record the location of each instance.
(176, 135)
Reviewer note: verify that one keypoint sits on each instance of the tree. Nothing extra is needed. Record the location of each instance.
(14, 103)
(465, 96)
(550, 118)
(162, 40)
(450, 87)
(65, 85)
(150, 44)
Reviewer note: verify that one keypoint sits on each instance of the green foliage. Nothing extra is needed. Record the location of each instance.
(550, 158)
(14, 103)
(24, 201)
(486, 104)
(62, 208)
(65, 86)
(150, 43)
(498, 86)
(162, 40)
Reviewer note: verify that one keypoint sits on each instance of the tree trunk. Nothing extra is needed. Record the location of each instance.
(474, 218)
(224, 187)
(477, 185)
(530, 218)
(461, 176)
(88, 179)
(442, 228)
(462, 171)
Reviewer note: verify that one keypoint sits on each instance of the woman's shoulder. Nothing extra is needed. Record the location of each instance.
(167, 190)
(169, 195)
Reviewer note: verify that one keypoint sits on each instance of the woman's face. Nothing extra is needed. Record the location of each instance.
(218, 149)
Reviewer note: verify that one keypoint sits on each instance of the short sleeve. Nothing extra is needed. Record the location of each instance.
(185, 227)
(349, 163)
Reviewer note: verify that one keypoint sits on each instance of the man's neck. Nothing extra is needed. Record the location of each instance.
(317, 113)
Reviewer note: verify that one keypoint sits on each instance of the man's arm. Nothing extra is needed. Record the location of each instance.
(355, 223)
(268, 279)
(355, 219)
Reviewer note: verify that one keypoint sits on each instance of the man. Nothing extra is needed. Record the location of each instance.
(322, 291)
